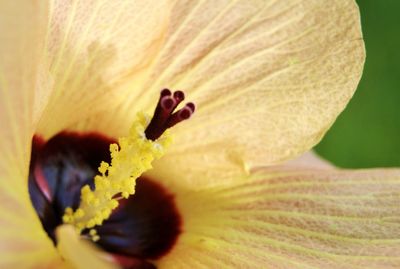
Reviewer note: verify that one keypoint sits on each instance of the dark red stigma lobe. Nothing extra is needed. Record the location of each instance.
(164, 116)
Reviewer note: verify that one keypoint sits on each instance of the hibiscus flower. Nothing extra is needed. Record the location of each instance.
(268, 79)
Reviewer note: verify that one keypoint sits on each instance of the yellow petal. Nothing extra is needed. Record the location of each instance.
(97, 50)
(23, 243)
(269, 78)
(80, 254)
(306, 219)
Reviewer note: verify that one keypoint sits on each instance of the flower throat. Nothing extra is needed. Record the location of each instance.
(130, 158)
(64, 187)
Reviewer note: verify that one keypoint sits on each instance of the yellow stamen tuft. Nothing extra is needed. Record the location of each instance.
(130, 159)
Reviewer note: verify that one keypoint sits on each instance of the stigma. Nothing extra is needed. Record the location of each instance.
(164, 116)
(130, 158)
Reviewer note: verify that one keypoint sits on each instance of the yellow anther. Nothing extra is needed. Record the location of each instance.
(79, 213)
(69, 211)
(116, 185)
(131, 158)
(99, 219)
(103, 167)
(90, 224)
(114, 148)
(95, 202)
(85, 189)
(67, 219)
(113, 204)
(108, 195)
(95, 238)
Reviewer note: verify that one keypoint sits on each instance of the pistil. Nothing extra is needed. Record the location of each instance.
(164, 115)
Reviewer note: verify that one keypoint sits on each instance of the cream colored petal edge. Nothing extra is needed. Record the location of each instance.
(292, 219)
(96, 53)
(310, 159)
(23, 242)
(269, 78)
(80, 253)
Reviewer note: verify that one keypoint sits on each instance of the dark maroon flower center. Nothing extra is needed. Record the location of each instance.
(144, 226)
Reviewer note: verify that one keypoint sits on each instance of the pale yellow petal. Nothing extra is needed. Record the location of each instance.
(20, 46)
(80, 253)
(97, 51)
(269, 78)
(23, 242)
(319, 218)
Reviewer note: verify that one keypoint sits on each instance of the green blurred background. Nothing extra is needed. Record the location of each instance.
(367, 133)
